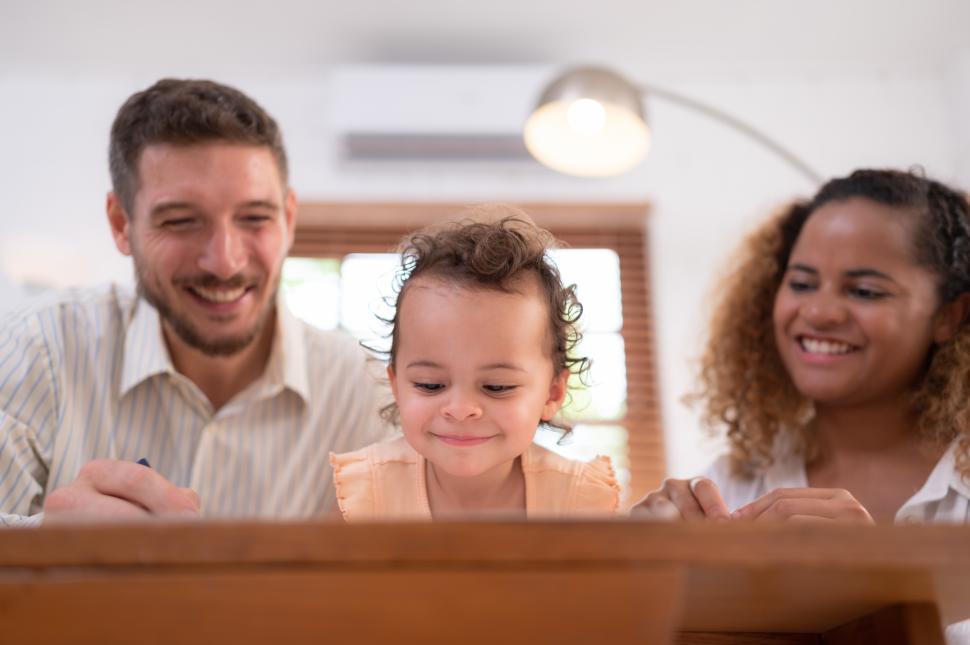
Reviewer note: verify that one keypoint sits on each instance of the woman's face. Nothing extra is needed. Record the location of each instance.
(855, 316)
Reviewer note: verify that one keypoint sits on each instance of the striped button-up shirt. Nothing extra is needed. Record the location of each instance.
(88, 376)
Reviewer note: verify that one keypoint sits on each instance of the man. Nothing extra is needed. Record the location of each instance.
(233, 402)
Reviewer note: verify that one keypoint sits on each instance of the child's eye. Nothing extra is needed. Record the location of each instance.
(499, 389)
(430, 388)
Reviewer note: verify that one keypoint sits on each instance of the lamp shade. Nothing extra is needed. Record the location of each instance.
(588, 122)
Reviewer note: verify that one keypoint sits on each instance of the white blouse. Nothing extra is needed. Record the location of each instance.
(944, 497)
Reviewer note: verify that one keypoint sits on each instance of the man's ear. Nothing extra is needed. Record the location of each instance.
(557, 395)
(950, 318)
(289, 214)
(119, 222)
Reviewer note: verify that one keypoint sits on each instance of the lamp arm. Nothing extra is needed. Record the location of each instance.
(737, 124)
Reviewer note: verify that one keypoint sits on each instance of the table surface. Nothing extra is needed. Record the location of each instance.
(729, 577)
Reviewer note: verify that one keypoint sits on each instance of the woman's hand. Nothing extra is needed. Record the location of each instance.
(805, 504)
(690, 499)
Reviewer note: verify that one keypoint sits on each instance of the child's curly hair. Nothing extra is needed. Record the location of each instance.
(743, 385)
(493, 247)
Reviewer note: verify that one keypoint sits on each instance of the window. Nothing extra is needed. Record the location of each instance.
(340, 273)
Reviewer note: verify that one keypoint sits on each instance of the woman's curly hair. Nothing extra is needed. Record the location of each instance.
(743, 385)
(493, 247)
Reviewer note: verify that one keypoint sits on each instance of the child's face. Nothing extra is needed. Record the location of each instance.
(855, 315)
(473, 375)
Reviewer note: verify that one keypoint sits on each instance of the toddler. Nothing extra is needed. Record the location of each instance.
(480, 357)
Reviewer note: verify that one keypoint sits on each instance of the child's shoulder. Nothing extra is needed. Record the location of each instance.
(395, 449)
(562, 486)
(378, 481)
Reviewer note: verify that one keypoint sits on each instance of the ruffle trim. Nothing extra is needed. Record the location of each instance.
(353, 481)
(597, 489)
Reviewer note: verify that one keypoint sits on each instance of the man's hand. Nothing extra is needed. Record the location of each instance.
(110, 489)
(805, 504)
(690, 499)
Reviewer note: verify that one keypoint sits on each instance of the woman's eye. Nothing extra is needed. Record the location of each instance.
(429, 387)
(799, 285)
(865, 293)
(498, 389)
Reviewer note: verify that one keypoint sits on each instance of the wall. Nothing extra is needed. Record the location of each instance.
(707, 183)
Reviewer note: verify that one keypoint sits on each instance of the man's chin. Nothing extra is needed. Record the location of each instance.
(223, 347)
(212, 337)
(214, 341)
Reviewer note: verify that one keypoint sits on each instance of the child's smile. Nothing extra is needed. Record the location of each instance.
(462, 440)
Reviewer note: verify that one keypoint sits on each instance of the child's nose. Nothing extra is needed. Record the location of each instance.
(460, 407)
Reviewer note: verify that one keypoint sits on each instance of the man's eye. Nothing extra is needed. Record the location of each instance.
(499, 389)
(178, 222)
(429, 387)
(255, 219)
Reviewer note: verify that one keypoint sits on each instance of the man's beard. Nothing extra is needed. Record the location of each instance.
(186, 330)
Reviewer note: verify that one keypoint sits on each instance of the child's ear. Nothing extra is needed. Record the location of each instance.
(950, 318)
(557, 395)
(392, 377)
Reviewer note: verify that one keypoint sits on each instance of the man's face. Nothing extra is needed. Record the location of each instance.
(209, 229)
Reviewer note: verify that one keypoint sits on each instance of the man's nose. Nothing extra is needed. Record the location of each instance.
(224, 254)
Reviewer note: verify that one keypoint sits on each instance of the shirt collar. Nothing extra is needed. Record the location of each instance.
(146, 354)
(288, 359)
(943, 477)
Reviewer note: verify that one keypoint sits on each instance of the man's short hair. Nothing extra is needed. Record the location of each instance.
(185, 112)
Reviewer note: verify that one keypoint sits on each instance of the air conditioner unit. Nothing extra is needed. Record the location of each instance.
(434, 113)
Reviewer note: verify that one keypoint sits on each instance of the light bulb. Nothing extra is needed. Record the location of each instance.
(586, 116)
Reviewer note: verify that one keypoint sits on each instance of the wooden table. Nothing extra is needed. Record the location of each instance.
(487, 582)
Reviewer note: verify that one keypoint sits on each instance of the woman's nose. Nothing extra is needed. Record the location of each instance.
(824, 310)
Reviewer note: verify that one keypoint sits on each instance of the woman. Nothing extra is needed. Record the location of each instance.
(839, 363)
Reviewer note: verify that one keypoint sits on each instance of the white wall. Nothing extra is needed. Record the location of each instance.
(957, 84)
(708, 184)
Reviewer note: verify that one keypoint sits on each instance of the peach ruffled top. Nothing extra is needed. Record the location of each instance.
(386, 480)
